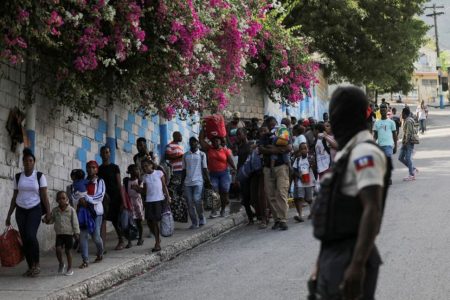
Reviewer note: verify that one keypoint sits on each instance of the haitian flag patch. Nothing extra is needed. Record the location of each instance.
(364, 162)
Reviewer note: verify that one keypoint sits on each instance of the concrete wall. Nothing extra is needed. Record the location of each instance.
(250, 102)
(61, 146)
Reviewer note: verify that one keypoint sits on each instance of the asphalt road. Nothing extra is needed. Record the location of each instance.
(248, 263)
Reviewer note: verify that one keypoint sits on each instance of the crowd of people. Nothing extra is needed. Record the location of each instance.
(264, 162)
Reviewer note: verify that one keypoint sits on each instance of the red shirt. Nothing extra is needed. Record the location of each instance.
(217, 159)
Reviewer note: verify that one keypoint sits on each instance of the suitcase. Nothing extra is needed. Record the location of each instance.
(215, 126)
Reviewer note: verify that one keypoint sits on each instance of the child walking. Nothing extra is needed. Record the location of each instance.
(304, 180)
(156, 198)
(137, 206)
(66, 227)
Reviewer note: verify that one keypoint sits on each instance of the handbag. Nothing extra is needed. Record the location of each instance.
(11, 252)
(167, 224)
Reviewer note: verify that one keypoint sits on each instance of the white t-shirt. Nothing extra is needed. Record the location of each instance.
(302, 166)
(28, 188)
(154, 186)
(297, 141)
(422, 113)
(322, 157)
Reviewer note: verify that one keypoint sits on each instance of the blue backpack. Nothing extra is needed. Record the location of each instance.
(86, 220)
(251, 165)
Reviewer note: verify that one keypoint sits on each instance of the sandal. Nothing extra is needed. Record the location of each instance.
(99, 258)
(119, 246)
(84, 265)
(35, 272)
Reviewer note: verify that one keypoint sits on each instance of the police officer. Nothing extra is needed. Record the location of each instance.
(348, 263)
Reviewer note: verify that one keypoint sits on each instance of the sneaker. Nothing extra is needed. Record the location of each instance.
(276, 225)
(409, 178)
(283, 226)
(69, 272)
(299, 219)
(213, 215)
(61, 269)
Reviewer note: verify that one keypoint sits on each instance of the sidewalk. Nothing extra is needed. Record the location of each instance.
(116, 266)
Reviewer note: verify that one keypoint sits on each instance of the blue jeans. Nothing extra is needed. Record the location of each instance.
(422, 124)
(220, 181)
(193, 195)
(405, 157)
(388, 150)
(84, 236)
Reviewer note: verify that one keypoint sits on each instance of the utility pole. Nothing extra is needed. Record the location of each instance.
(435, 14)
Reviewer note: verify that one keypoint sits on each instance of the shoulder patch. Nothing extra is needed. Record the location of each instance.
(364, 162)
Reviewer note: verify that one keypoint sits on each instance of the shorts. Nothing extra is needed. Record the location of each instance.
(305, 193)
(220, 181)
(64, 241)
(154, 210)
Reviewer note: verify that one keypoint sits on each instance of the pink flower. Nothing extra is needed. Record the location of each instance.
(23, 16)
(172, 39)
(14, 59)
(143, 48)
(170, 112)
(21, 43)
(55, 32)
(279, 82)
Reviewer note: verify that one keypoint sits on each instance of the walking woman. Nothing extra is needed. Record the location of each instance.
(422, 115)
(110, 173)
(29, 200)
(219, 158)
(93, 201)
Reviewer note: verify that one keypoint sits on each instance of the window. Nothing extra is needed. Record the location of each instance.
(429, 82)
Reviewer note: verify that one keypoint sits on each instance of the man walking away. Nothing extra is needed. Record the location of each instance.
(353, 194)
(405, 155)
(385, 133)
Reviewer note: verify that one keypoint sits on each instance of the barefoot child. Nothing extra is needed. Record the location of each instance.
(304, 180)
(66, 227)
(137, 206)
(156, 198)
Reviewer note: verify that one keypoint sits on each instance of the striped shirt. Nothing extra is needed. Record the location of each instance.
(174, 154)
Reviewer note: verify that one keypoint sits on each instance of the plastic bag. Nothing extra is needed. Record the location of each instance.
(167, 225)
(11, 252)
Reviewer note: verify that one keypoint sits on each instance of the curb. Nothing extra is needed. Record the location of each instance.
(139, 265)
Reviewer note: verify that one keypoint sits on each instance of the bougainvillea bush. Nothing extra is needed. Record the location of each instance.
(283, 64)
(166, 56)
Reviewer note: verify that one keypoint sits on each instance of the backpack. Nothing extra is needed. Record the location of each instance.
(38, 176)
(336, 216)
(251, 165)
(282, 136)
